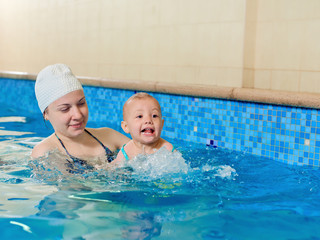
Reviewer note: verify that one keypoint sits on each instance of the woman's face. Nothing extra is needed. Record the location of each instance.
(68, 115)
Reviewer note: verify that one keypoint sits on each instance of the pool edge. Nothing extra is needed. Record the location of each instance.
(284, 98)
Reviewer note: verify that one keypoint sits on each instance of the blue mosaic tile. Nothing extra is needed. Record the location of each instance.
(286, 134)
(20, 94)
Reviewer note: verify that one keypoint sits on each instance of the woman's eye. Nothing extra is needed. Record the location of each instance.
(64, 109)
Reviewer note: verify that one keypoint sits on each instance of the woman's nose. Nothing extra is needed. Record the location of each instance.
(76, 113)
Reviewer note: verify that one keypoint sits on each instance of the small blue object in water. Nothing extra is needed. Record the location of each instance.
(212, 143)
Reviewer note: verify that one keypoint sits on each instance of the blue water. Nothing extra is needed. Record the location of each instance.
(197, 193)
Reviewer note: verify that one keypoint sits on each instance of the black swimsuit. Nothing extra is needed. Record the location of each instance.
(78, 165)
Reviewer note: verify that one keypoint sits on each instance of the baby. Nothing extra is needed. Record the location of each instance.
(142, 119)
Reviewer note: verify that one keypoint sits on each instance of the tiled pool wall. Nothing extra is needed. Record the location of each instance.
(287, 134)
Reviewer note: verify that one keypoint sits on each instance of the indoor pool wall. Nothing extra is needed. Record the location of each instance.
(283, 133)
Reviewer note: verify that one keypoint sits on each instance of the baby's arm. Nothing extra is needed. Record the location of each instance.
(119, 159)
(167, 145)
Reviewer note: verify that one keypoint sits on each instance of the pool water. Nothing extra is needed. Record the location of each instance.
(198, 192)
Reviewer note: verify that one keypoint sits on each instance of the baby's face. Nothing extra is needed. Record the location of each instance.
(144, 120)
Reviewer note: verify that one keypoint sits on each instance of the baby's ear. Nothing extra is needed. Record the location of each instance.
(124, 126)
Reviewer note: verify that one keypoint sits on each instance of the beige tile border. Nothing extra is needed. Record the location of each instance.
(308, 100)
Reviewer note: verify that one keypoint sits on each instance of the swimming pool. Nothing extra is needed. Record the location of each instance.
(207, 192)
(202, 193)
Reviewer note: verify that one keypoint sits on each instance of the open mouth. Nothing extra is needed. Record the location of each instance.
(148, 130)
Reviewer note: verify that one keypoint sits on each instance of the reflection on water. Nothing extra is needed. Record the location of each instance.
(195, 193)
(19, 194)
(13, 119)
(10, 119)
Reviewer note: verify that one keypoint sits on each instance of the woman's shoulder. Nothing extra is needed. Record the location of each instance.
(103, 132)
(109, 137)
(43, 147)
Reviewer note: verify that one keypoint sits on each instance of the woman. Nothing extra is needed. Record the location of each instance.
(62, 101)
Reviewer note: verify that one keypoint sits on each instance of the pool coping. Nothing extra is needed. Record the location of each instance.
(284, 98)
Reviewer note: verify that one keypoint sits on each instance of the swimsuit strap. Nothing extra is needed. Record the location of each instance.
(63, 145)
(124, 153)
(108, 151)
(173, 148)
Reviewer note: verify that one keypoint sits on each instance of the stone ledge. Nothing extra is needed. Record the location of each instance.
(307, 100)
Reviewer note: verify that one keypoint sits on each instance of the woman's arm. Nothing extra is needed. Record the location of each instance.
(42, 148)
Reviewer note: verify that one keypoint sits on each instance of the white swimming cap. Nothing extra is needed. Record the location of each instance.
(53, 82)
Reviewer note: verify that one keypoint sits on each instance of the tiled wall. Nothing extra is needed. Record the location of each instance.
(141, 40)
(286, 134)
(262, 44)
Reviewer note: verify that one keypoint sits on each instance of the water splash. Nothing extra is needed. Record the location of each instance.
(161, 164)
(222, 171)
(163, 170)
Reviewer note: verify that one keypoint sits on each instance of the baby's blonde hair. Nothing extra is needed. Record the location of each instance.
(137, 96)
